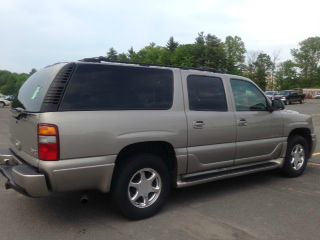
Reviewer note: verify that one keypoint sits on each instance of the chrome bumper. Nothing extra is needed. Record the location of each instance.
(22, 177)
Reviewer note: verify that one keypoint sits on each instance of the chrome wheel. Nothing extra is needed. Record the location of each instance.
(297, 157)
(144, 187)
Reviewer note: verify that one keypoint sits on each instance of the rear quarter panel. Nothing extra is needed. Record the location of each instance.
(100, 133)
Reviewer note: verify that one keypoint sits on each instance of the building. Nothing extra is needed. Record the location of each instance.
(311, 92)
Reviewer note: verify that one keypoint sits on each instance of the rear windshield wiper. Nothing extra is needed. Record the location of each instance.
(19, 113)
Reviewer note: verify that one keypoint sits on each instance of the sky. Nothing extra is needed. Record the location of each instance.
(37, 33)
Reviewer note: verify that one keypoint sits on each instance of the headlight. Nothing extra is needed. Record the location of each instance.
(283, 98)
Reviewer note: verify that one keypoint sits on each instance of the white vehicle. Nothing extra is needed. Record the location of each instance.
(4, 102)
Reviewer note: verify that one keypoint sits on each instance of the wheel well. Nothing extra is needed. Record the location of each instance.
(163, 149)
(306, 134)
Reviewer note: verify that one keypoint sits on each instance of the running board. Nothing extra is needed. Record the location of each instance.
(198, 178)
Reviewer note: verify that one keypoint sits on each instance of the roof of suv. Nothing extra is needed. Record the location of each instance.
(104, 60)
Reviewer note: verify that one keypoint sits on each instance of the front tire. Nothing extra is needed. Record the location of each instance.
(296, 157)
(141, 186)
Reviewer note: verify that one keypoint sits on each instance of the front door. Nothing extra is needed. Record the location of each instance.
(259, 131)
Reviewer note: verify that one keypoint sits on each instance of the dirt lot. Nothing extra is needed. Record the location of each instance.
(258, 206)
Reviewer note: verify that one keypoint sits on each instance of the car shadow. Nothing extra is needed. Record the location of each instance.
(66, 207)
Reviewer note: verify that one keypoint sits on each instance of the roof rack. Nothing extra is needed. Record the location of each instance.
(105, 59)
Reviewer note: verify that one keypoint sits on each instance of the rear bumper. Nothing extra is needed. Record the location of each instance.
(21, 177)
(57, 176)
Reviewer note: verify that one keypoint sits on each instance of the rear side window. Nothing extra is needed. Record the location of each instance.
(206, 93)
(107, 87)
(33, 91)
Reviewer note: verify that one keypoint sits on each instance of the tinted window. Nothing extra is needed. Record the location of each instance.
(247, 96)
(106, 87)
(33, 91)
(206, 93)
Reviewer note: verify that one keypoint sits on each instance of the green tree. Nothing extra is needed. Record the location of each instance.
(287, 75)
(263, 69)
(112, 55)
(259, 68)
(172, 45)
(208, 51)
(235, 54)
(153, 54)
(184, 56)
(33, 70)
(307, 57)
(10, 83)
(122, 57)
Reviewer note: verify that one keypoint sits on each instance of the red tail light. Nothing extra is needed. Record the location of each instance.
(48, 142)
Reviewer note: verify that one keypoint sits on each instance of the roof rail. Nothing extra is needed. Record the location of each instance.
(105, 59)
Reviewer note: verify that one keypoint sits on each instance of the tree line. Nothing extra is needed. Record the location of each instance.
(209, 52)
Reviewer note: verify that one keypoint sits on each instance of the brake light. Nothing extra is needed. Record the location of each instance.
(48, 142)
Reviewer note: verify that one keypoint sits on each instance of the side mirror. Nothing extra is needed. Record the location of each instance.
(277, 105)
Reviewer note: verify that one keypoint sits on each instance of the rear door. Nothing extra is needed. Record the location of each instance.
(211, 126)
(24, 142)
(259, 131)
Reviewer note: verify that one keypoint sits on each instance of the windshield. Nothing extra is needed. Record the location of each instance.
(33, 91)
(283, 93)
(269, 92)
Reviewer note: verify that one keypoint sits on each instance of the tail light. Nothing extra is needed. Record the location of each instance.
(48, 142)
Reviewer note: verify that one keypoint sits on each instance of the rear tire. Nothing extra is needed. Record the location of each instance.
(296, 157)
(141, 186)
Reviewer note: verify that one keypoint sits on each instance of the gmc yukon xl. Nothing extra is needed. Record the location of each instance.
(137, 131)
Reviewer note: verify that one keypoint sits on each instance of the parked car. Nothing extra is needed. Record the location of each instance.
(4, 102)
(271, 94)
(9, 98)
(289, 97)
(137, 131)
(317, 96)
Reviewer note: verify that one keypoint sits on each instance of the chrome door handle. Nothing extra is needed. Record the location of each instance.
(242, 122)
(198, 124)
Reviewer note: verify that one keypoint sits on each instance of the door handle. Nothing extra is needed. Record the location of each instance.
(242, 122)
(198, 124)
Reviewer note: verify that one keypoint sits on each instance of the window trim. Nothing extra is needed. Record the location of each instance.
(211, 76)
(257, 87)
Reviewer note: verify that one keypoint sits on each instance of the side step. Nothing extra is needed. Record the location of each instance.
(209, 176)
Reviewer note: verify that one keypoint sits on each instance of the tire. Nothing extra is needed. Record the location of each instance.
(294, 165)
(143, 203)
(2, 104)
(300, 101)
(286, 102)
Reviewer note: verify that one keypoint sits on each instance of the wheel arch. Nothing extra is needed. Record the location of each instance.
(160, 148)
(306, 134)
